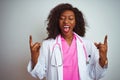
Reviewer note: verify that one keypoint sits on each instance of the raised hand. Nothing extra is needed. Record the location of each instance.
(35, 49)
(102, 47)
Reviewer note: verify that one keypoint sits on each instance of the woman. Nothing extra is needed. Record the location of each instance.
(66, 54)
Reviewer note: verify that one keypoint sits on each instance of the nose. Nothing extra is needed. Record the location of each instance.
(66, 21)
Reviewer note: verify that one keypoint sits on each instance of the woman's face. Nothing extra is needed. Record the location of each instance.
(67, 22)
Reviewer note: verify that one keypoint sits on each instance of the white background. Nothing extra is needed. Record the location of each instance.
(20, 18)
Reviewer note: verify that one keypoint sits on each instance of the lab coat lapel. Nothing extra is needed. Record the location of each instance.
(81, 59)
(60, 69)
(56, 59)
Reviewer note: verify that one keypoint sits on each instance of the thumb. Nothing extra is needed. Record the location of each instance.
(97, 45)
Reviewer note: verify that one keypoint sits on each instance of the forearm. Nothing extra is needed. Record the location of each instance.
(34, 59)
(34, 62)
(103, 62)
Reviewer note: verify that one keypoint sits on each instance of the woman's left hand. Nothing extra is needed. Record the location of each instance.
(102, 47)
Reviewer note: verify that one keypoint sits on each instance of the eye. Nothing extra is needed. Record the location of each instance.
(71, 18)
(62, 18)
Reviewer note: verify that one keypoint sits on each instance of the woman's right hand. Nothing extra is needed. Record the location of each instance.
(35, 50)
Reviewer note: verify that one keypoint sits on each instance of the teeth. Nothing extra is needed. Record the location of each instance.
(66, 26)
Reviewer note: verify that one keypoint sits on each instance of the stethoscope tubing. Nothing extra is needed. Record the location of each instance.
(85, 52)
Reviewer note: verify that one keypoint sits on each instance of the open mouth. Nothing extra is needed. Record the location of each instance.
(66, 28)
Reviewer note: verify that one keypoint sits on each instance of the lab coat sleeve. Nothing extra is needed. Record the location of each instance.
(40, 68)
(95, 70)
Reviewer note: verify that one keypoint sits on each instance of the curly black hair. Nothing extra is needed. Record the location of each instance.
(53, 20)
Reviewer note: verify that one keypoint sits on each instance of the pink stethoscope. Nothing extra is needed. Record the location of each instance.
(57, 44)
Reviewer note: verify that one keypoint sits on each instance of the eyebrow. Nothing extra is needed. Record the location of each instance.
(69, 15)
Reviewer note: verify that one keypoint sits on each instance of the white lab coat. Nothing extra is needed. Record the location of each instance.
(50, 61)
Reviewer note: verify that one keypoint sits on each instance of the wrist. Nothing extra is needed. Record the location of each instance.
(103, 62)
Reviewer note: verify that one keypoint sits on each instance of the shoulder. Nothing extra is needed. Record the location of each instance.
(46, 45)
(48, 42)
(84, 40)
(90, 47)
(87, 41)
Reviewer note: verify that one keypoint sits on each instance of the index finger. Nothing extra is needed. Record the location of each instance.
(105, 40)
(30, 40)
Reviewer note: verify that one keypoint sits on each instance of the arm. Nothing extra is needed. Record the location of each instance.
(35, 50)
(98, 60)
(37, 66)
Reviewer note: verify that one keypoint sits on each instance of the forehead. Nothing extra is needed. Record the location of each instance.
(67, 13)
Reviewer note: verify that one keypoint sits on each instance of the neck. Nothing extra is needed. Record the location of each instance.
(68, 38)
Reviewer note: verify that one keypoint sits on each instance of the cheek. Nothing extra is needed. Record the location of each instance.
(73, 23)
(60, 23)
